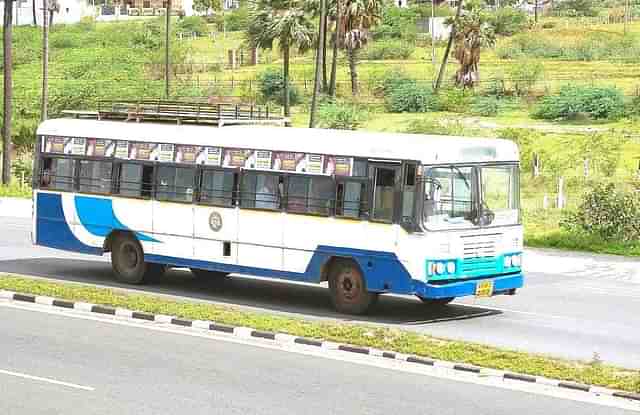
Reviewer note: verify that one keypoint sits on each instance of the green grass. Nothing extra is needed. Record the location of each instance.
(14, 190)
(358, 334)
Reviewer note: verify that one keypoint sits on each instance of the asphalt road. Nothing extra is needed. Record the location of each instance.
(130, 370)
(561, 314)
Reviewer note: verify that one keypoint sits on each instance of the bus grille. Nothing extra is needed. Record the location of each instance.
(479, 254)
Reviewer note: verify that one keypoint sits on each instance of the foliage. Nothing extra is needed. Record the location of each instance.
(577, 7)
(389, 81)
(474, 31)
(455, 99)
(571, 101)
(485, 106)
(193, 24)
(341, 115)
(508, 21)
(389, 49)
(397, 23)
(412, 97)
(525, 139)
(432, 127)
(271, 83)
(236, 20)
(633, 109)
(23, 170)
(607, 212)
(206, 6)
(590, 47)
(524, 75)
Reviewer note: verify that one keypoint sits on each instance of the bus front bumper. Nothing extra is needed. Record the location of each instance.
(503, 284)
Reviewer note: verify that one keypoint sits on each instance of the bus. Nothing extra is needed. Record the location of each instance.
(367, 213)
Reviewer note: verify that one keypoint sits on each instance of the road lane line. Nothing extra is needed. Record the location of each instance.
(47, 380)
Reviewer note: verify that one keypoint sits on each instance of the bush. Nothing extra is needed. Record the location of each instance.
(485, 106)
(237, 20)
(397, 23)
(455, 100)
(432, 127)
(508, 21)
(594, 102)
(524, 75)
(271, 84)
(389, 81)
(389, 49)
(411, 97)
(577, 7)
(548, 25)
(608, 213)
(193, 24)
(633, 108)
(341, 116)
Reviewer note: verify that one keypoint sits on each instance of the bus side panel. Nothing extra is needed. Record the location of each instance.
(173, 229)
(53, 228)
(260, 239)
(208, 244)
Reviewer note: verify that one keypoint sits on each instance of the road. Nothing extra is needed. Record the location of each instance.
(566, 314)
(112, 368)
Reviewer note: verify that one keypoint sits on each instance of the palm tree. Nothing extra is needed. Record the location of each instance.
(286, 22)
(357, 18)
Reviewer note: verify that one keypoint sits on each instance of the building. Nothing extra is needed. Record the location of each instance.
(69, 11)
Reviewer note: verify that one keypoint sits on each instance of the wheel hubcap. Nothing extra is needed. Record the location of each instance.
(349, 287)
(130, 256)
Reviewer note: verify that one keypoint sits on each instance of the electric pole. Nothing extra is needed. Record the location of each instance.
(45, 60)
(447, 50)
(536, 11)
(8, 92)
(166, 49)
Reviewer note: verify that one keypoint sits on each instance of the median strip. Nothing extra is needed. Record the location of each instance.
(351, 338)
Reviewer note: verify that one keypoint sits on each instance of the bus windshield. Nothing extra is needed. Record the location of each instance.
(471, 196)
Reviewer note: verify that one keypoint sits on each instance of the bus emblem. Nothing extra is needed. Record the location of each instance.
(215, 221)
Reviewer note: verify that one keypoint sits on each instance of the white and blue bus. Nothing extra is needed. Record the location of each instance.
(369, 213)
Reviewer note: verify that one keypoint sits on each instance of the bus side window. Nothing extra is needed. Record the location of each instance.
(58, 174)
(135, 180)
(350, 200)
(95, 176)
(260, 191)
(307, 194)
(175, 184)
(217, 187)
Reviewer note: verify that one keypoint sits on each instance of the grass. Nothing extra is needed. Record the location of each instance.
(13, 190)
(382, 338)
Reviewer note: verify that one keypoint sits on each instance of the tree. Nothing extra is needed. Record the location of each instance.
(320, 66)
(54, 7)
(8, 91)
(206, 6)
(447, 50)
(336, 36)
(33, 10)
(283, 21)
(358, 17)
(474, 32)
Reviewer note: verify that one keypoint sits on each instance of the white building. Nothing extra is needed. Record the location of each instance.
(70, 11)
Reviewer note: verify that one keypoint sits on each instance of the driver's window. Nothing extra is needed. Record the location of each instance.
(383, 195)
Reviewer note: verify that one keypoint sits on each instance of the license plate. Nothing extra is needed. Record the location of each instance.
(484, 288)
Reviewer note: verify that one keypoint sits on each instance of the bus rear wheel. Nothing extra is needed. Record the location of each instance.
(437, 302)
(205, 274)
(127, 260)
(348, 288)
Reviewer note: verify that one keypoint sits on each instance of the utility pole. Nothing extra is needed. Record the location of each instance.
(45, 60)
(536, 11)
(319, 58)
(8, 92)
(166, 48)
(433, 35)
(452, 36)
(627, 9)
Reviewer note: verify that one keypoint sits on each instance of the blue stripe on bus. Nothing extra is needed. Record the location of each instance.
(52, 229)
(98, 217)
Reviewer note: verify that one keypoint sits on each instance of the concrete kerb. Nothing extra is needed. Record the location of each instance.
(286, 339)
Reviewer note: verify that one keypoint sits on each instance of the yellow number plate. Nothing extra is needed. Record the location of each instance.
(484, 288)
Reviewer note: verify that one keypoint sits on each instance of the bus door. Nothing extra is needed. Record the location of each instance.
(386, 178)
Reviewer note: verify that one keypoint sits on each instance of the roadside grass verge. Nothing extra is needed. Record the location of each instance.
(13, 190)
(595, 372)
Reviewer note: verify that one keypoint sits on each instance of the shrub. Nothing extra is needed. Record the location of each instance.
(633, 109)
(608, 213)
(193, 24)
(389, 49)
(410, 97)
(455, 100)
(548, 25)
(341, 116)
(425, 126)
(271, 84)
(577, 7)
(508, 21)
(397, 23)
(594, 102)
(485, 106)
(524, 76)
(236, 20)
(391, 80)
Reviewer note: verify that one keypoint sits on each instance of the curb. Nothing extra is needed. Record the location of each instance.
(245, 332)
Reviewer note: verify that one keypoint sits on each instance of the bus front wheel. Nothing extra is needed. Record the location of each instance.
(127, 260)
(348, 288)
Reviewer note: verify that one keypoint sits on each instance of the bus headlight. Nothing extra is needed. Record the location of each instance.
(439, 268)
(507, 261)
(451, 267)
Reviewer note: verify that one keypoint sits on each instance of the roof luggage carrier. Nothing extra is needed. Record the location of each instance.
(219, 114)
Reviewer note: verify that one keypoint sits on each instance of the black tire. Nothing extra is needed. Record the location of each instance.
(437, 302)
(205, 274)
(348, 288)
(127, 260)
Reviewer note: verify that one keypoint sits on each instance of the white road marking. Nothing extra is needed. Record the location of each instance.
(328, 353)
(46, 380)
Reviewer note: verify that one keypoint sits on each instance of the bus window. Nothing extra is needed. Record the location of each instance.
(175, 184)
(58, 174)
(95, 176)
(349, 197)
(130, 180)
(409, 194)
(297, 191)
(217, 187)
(383, 194)
(260, 190)
(307, 194)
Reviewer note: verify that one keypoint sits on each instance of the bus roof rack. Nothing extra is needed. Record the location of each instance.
(219, 114)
